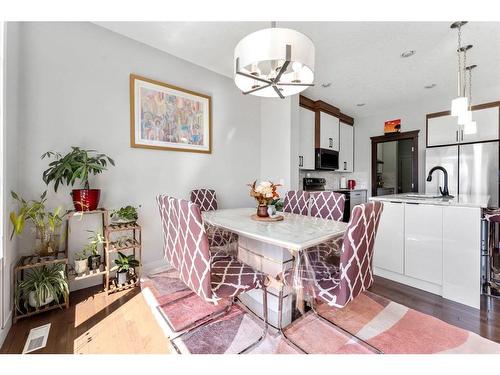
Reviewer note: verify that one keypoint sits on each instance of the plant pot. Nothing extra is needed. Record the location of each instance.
(262, 211)
(81, 265)
(47, 241)
(86, 199)
(121, 277)
(94, 261)
(32, 300)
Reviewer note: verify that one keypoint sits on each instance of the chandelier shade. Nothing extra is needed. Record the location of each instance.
(459, 106)
(274, 62)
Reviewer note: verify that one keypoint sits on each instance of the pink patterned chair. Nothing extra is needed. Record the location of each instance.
(296, 202)
(187, 250)
(328, 205)
(337, 285)
(221, 241)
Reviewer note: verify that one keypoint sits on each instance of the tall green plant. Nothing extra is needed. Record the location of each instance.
(95, 240)
(34, 211)
(45, 282)
(77, 164)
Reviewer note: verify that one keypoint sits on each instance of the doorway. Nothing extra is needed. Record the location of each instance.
(395, 163)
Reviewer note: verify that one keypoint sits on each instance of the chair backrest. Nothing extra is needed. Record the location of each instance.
(356, 260)
(328, 205)
(205, 198)
(296, 202)
(186, 243)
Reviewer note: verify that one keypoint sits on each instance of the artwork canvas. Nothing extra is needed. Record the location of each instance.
(168, 117)
(392, 126)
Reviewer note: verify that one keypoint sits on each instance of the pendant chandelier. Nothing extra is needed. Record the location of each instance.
(470, 126)
(274, 62)
(460, 105)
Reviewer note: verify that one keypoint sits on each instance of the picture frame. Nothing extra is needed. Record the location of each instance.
(392, 126)
(168, 117)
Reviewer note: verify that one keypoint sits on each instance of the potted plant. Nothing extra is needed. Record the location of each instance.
(92, 248)
(81, 262)
(125, 265)
(127, 214)
(264, 193)
(47, 224)
(78, 164)
(41, 286)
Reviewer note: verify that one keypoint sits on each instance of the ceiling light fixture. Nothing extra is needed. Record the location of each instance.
(360, 104)
(325, 85)
(470, 126)
(431, 86)
(274, 62)
(408, 53)
(459, 105)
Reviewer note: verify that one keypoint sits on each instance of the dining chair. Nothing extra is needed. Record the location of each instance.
(187, 250)
(296, 202)
(337, 285)
(492, 219)
(221, 241)
(328, 205)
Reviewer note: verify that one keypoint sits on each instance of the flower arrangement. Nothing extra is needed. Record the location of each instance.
(265, 193)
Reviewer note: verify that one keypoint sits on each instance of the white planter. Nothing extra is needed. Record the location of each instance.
(81, 266)
(121, 277)
(32, 301)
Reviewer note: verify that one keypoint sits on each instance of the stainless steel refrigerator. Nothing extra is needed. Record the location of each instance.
(472, 169)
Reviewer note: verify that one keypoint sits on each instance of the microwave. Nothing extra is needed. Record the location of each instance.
(327, 159)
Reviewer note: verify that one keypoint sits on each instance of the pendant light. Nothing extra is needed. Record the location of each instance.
(459, 105)
(470, 126)
(274, 62)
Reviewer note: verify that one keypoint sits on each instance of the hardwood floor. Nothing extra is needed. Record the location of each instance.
(123, 323)
(95, 324)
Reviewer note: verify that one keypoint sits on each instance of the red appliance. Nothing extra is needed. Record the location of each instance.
(351, 184)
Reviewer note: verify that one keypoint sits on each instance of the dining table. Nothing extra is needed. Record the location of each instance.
(272, 247)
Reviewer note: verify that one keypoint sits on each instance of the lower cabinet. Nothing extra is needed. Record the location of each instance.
(461, 255)
(424, 242)
(389, 243)
(431, 247)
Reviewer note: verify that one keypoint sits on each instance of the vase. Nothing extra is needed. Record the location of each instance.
(47, 241)
(262, 211)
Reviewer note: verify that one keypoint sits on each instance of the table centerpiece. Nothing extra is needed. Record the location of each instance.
(265, 193)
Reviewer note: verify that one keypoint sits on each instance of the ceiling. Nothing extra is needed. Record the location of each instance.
(360, 59)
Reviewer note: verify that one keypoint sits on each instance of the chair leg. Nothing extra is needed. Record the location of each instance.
(280, 324)
(264, 332)
(321, 317)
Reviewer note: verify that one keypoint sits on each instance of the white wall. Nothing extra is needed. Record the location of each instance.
(279, 146)
(412, 118)
(9, 173)
(75, 91)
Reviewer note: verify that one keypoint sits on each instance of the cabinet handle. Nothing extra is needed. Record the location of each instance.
(345, 166)
(331, 142)
(462, 135)
(301, 161)
(456, 135)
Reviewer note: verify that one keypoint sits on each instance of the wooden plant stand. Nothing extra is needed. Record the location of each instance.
(28, 262)
(130, 244)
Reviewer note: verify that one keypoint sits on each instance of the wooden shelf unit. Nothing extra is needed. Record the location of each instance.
(28, 262)
(132, 243)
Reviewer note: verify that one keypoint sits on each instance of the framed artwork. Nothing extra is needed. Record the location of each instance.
(393, 126)
(167, 117)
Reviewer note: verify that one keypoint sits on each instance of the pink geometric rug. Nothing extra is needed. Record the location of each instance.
(388, 326)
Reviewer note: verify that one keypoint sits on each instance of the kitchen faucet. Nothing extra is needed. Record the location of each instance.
(444, 191)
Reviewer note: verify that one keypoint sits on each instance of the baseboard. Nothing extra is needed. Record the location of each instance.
(5, 330)
(154, 267)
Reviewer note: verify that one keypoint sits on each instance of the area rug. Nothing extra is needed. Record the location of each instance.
(389, 327)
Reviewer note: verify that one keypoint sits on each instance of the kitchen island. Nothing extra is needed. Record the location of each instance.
(432, 243)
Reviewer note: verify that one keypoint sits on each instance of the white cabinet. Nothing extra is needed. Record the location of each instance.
(306, 138)
(346, 151)
(487, 121)
(329, 131)
(424, 242)
(442, 130)
(389, 242)
(461, 255)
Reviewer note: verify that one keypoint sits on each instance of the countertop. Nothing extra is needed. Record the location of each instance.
(460, 200)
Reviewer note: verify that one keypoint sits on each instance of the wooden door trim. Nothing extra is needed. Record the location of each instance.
(413, 135)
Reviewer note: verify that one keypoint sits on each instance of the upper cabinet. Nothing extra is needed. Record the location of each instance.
(346, 152)
(329, 131)
(306, 138)
(443, 129)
